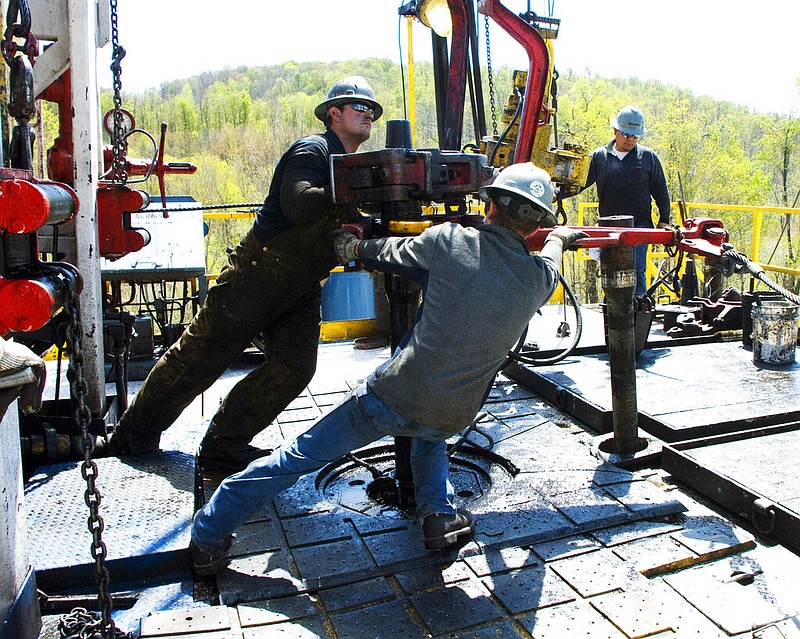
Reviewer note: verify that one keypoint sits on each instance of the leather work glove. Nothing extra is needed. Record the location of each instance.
(566, 235)
(22, 374)
(345, 245)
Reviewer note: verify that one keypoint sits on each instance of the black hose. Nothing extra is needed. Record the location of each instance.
(513, 121)
(528, 358)
(672, 273)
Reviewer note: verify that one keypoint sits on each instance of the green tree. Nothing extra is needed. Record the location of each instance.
(187, 118)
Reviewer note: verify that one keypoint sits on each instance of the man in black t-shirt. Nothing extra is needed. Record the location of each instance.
(269, 288)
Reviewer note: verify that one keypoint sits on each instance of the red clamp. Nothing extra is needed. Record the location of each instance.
(26, 205)
(28, 303)
(115, 204)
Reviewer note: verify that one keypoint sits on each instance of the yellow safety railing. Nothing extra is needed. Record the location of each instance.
(750, 227)
(760, 218)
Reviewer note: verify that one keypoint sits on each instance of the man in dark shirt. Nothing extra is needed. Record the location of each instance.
(270, 287)
(627, 175)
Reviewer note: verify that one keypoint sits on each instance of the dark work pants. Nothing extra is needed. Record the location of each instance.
(254, 294)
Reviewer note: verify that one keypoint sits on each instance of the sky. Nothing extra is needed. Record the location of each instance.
(743, 52)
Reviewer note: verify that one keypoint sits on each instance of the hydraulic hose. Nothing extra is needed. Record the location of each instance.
(529, 358)
(513, 121)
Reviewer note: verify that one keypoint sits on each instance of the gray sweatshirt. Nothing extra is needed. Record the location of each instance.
(483, 287)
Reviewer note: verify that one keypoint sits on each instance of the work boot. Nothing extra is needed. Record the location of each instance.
(230, 460)
(442, 530)
(117, 446)
(209, 560)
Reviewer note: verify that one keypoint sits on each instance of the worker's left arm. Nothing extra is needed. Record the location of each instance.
(660, 192)
(306, 192)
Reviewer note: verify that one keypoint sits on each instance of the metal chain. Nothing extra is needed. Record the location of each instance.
(22, 28)
(490, 75)
(119, 145)
(80, 623)
(253, 206)
(78, 390)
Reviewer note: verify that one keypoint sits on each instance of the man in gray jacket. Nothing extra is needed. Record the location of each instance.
(483, 278)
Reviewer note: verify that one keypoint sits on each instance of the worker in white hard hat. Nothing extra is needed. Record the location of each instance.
(434, 386)
(270, 289)
(629, 177)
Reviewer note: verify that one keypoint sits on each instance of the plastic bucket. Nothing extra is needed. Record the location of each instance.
(348, 295)
(774, 332)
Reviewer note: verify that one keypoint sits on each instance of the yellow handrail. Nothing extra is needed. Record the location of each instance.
(761, 215)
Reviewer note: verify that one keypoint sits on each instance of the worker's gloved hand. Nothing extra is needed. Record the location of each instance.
(345, 245)
(566, 235)
(22, 374)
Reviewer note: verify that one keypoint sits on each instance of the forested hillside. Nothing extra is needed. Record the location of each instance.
(235, 124)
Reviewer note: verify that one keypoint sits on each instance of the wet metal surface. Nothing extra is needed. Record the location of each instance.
(570, 546)
(683, 392)
(554, 495)
(743, 590)
(147, 503)
(742, 473)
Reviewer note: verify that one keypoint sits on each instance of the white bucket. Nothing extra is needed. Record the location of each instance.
(774, 332)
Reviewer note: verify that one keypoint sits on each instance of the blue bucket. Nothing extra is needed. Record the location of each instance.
(348, 295)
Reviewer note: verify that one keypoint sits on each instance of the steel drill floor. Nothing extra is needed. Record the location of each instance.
(146, 505)
(739, 472)
(310, 540)
(682, 392)
(570, 545)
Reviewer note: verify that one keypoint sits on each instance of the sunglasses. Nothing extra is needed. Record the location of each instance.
(629, 136)
(361, 107)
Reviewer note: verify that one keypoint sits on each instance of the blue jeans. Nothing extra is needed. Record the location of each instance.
(641, 269)
(360, 420)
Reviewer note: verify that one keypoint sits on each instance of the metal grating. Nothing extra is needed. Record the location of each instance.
(147, 505)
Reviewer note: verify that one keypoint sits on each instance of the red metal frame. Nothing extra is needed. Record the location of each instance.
(457, 76)
(538, 68)
(699, 236)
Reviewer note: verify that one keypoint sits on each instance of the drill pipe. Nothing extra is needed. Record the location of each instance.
(618, 276)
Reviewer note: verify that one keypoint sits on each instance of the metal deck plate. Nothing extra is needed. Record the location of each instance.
(682, 392)
(563, 488)
(748, 473)
(152, 495)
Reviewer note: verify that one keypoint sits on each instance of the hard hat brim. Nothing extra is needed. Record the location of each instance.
(626, 129)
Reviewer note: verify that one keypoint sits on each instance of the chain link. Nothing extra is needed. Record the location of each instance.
(119, 144)
(80, 623)
(82, 414)
(490, 74)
